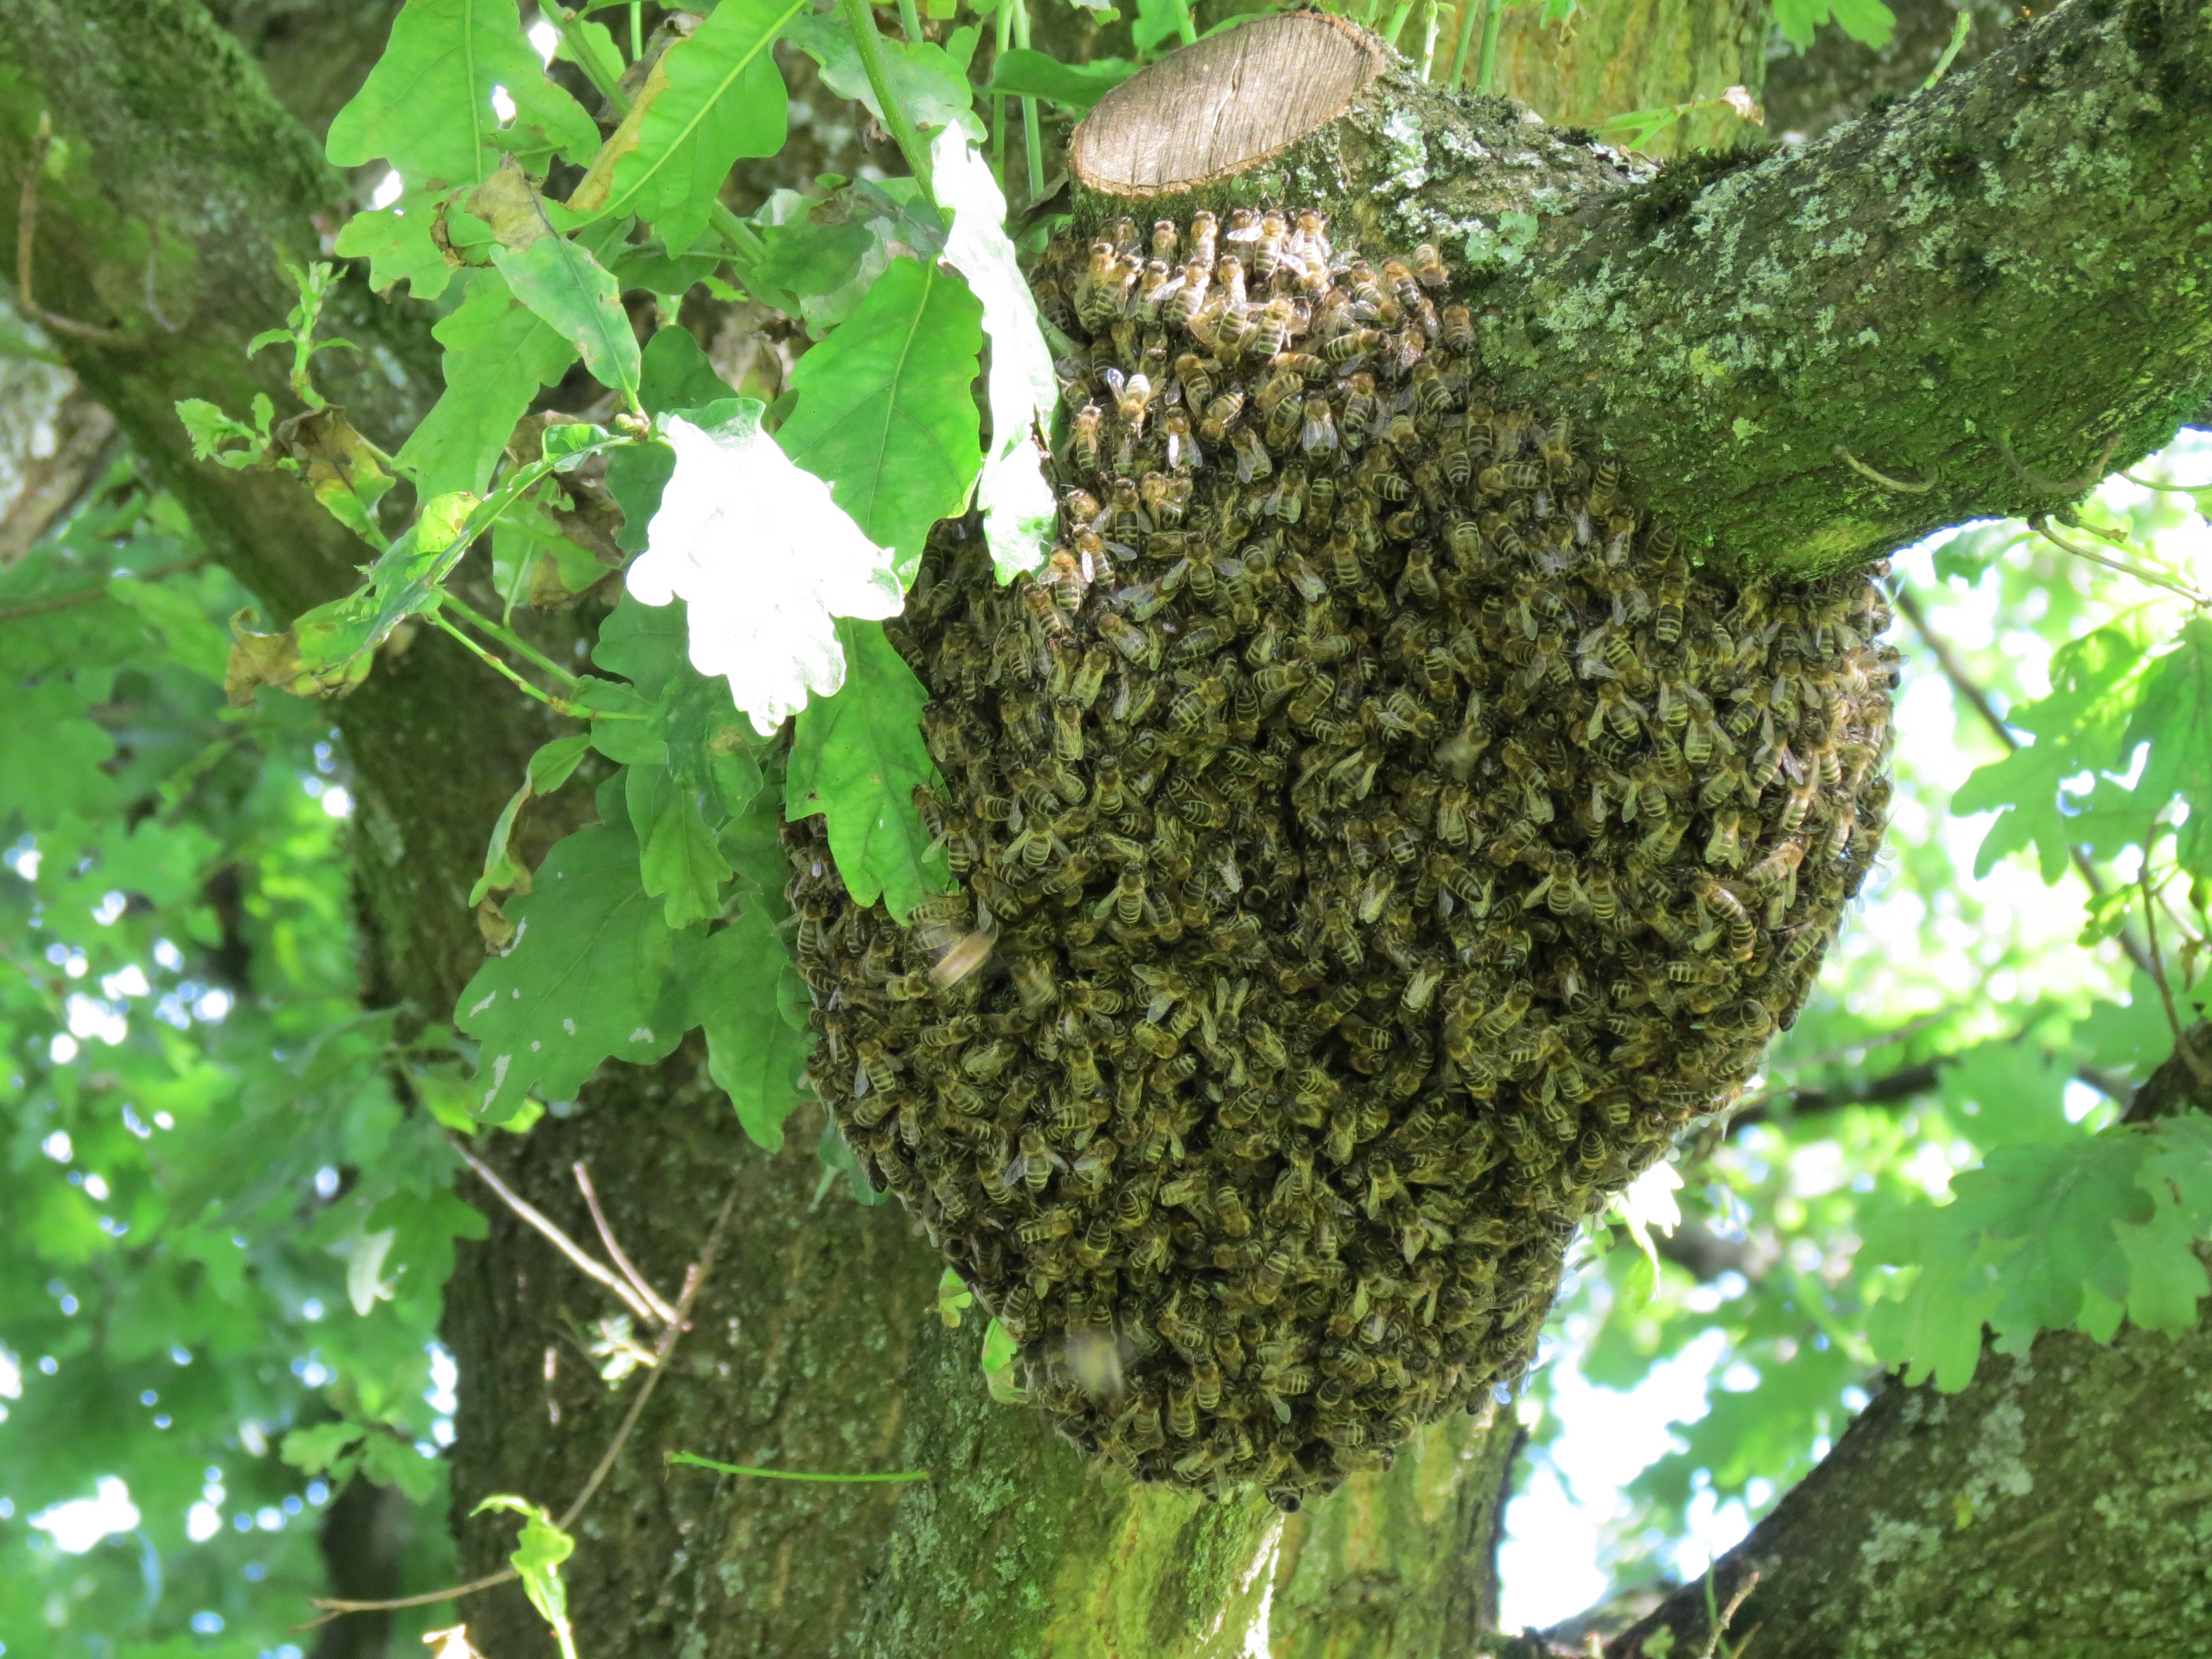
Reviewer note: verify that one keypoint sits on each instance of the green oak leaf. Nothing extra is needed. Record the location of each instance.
(427, 106)
(857, 758)
(676, 855)
(395, 241)
(752, 1054)
(584, 981)
(707, 101)
(498, 353)
(1025, 72)
(884, 412)
(928, 83)
(560, 281)
(2173, 715)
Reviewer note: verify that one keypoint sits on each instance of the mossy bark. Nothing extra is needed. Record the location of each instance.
(817, 1346)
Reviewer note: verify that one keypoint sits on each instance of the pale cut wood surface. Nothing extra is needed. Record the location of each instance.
(1224, 105)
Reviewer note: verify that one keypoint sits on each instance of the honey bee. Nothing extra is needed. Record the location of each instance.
(1183, 454)
(1509, 475)
(1220, 414)
(1357, 343)
(1429, 267)
(1083, 435)
(1456, 326)
(1253, 462)
(1133, 397)
(1725, 844)
(1285, 423)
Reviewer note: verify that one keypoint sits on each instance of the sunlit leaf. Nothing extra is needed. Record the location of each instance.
(426, 105)
(765, 560)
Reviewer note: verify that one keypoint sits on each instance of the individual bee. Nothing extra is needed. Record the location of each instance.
(1180, 308)
(1357, 343)
(1505, 476)
(1672, 589)
(1725, 844)
(1203, 228)
(1084, 435)
(1267, 244)
(1455, 325)
(1195, 378)
(1288, 503)
(1429, 267)
(1183, 454)
(1252, 459)
(1272, 330)
(1156, 286)
(1432, 396)
(1133, 396)
(1220, 414)
(1285, 423)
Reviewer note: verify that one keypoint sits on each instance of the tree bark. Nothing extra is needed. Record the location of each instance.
(2049, 192)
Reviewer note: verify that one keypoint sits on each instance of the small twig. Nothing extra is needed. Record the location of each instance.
(694, 1278)
(1960, 27)
(615, 1250)
(27, 237)
(1883, 479)
(1963, 683)
(2041, 526)
(507, 637)
(78, 596)
(2197, 1068)
(2053, 486)
(860, 18)
(2163, 488)
(585, 1262)
(558, 705)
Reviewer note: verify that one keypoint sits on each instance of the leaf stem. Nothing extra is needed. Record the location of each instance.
(558, 705)
(1469, 12)
(1485, 68)
(1032, 132)
(2181, 1044)
(861, 17)
(1004, 40)
(506, 637)
(570, 25)
(910, 21)
(636, 30)
(1961, 27)
(1185, 26)
(1398, 16)
(697, 1462)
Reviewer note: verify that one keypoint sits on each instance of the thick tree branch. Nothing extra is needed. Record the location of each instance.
(1987, 285)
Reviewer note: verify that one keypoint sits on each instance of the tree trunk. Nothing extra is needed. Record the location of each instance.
(2056, 191)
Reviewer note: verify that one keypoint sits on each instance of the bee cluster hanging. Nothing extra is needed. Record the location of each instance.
(1383, 844)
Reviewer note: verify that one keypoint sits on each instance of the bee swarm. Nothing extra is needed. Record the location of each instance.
(1384, 844)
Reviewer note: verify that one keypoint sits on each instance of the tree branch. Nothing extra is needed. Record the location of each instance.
(1876, 288)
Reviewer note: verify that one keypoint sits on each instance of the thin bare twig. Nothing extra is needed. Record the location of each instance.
(615, 1250)
(585, 1262)
(27, 237)
(694, 1277)
(1883, 479)
(2182, 1046)
(1978, 699)
(2162, 488)
(2041, 526)
(2035, 480)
